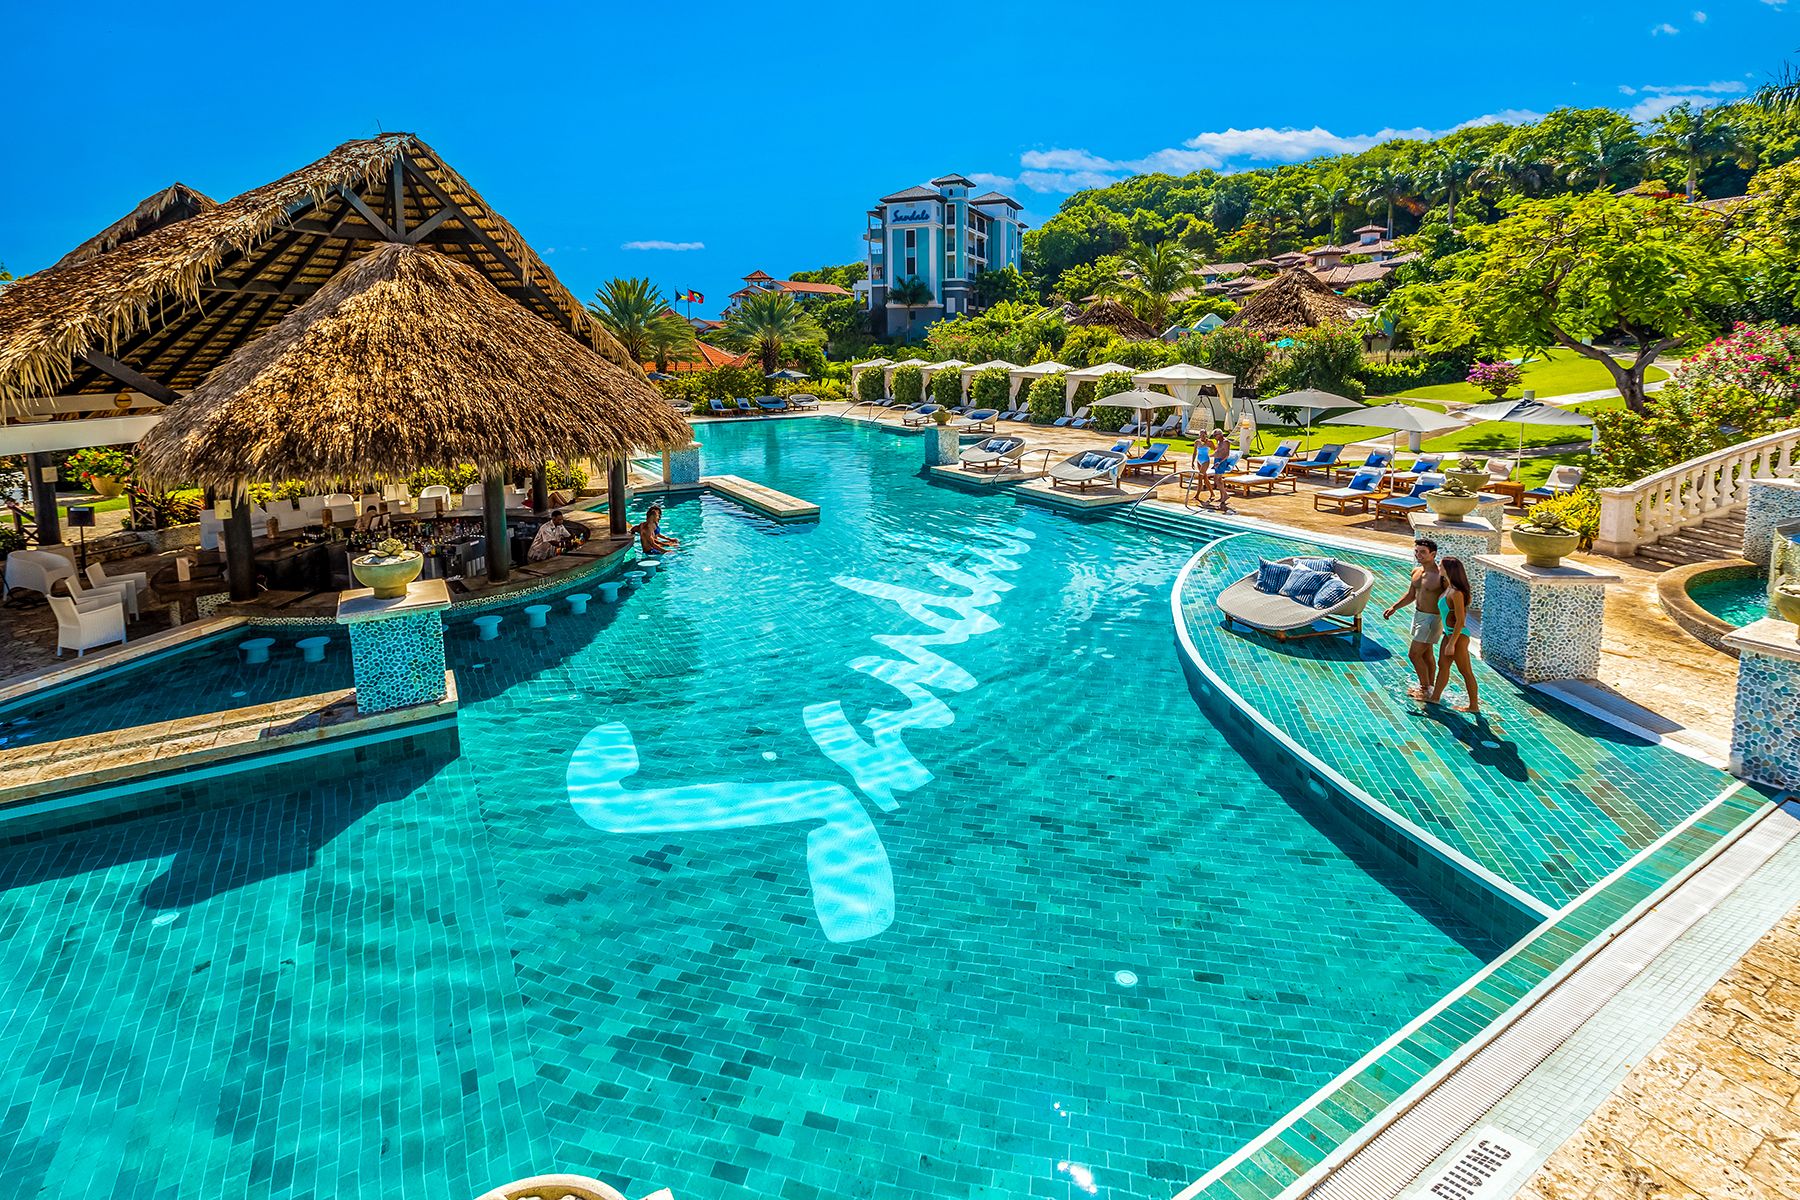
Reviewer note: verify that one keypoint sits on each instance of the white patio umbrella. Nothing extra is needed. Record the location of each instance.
(1401, 418)
(1309, 401)
(1143, 402)
(1522, 412)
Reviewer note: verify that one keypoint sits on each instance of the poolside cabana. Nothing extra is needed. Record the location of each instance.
(131, 329)
(973, 369)
(1190, 383)
(405, 361)
(887, 372)
(1091, 374)
(930, 369)
(1035, 372)
(856, 370)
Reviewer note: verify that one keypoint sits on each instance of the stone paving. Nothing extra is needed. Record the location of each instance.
(1714, 1111)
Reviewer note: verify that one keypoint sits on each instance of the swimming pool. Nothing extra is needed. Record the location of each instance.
(1040, 925)
(1739, 596)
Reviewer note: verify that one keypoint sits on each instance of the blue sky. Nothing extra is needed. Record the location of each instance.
(756, 135)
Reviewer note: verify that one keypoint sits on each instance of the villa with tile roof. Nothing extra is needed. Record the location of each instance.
(762, 281)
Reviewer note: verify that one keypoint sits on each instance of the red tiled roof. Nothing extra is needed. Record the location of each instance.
(710, 356)
(811, 289)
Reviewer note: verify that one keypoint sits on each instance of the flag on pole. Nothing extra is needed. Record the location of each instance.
(696, 298)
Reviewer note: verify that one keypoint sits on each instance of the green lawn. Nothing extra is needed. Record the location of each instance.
(97, 504)
(1559, 373)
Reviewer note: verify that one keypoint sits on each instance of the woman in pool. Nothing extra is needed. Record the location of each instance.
(648, 537)
(1455, 651)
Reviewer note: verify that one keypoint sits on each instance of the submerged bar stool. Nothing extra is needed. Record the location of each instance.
(649, 565)
(489, 626)
(633, 579)
(537, 615)
(578, 601)
(609, 591)
(312, 649)
(256, 650)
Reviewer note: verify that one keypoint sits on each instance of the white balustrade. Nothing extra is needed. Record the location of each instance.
(1688, 493)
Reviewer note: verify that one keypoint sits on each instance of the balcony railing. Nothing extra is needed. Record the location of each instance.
(1688, 493)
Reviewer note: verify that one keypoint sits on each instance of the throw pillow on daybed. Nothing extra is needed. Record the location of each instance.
(1332, 591)
(1302, 585)
(1271, 575)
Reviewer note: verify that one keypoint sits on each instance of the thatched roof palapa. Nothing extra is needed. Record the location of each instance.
(177, 202)
(172, 304)
(407, 359)
(1295, 299)
(1115, 315)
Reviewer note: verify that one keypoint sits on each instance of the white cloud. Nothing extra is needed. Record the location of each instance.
(1775, 3)
(1718, 87)
(997, 182)
(654, 245)
(1665, 27)
(1626, 89)
(1699, 18)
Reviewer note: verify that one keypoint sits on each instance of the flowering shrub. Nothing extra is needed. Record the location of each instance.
(98, 462)
(1496, 378)
(1739, 387)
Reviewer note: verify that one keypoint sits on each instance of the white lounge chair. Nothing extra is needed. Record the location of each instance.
(1286, 618)
(82, 629)
(994, 452)
(1090, 466)
(36, 570)
(122, 594)
(139, 581)
(1563, 480)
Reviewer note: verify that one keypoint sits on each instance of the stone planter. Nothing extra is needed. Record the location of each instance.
(1473, 480)
(106, 487)
(1446, 505)
(175, 537)
(388, 577)
(1543, 549)
(1786, 605)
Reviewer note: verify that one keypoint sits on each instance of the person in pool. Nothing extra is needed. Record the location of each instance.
(1424, 592)
(1455, 650)
(652, 541)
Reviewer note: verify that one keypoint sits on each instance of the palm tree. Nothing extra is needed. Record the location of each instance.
(911, 293)
(1602, 161)
(1384, 183)
(1326, 203)
(1511, 170)
(1152, 277)
(634, 311)
(1451, 170)
(1694, 139)
(767, 323)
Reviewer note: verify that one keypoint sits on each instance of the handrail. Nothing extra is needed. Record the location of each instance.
(1688, 493)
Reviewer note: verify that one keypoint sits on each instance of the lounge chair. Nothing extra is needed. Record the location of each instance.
(771, 404)
(1323, 460)
(1271, 474)
(1364, 487)
(996, 452)
(745, 408)
(1563, 480)
(37, 570)
(1285, 617)
(1286, 449)
(1378, 460)
(1090, 466)
(919, 416)
(1423, 465)
(1152, 460)
(1082, 422)
(1077, 415)
(802, 400)
(1500, 469)
(1400, 507)
(718, 408)
(80, 628)
(980, 418)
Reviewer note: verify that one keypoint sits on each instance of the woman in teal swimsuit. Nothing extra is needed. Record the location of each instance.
(1454, 605)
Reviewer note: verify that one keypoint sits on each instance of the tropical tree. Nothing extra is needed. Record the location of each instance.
(634, 312)
(767, 324)
(1384, 184)
(911, 293)
(1693, 139)
(1447, 174)
(1569, 270)
(1152, 277)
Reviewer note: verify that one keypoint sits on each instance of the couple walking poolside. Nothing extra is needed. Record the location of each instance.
(1440, 596)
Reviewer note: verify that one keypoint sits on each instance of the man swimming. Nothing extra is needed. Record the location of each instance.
(649, 538)
(1425, 591)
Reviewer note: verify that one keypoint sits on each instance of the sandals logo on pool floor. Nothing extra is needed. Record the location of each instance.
(852, 882)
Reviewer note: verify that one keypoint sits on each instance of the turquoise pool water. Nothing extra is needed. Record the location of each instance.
(1739, 597)
(1038, 925)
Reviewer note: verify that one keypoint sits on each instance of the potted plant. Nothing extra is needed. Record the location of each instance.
(1544, 539)
(1453, 499)
(388, 568)
(1785, 600)
(942, 416)
(101, 469)
(1470, 472)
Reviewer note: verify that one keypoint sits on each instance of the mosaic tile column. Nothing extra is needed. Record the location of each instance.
(684, 466)
(1772, 502)
(1765, 725)
(1492, 509)
(1784, 553)
(396, 646)
(1542, 622)
(1469, 538)
(943, 446)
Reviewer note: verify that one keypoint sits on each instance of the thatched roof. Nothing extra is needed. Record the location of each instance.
(174, 303)
(407, 359)
(1114, 315)
(177, 202)
(1295, 299)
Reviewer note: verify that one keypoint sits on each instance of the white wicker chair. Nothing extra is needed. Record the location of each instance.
(82, 629)
(139, 581)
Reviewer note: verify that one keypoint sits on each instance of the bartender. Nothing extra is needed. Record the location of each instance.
(553, 537)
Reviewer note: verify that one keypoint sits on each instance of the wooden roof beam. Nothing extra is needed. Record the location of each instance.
(115, 370)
